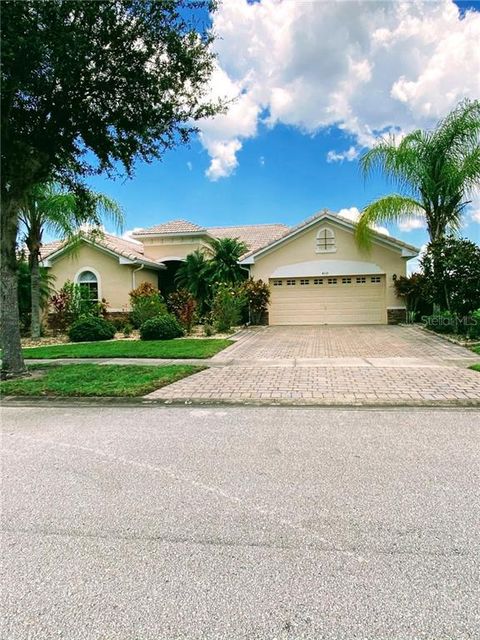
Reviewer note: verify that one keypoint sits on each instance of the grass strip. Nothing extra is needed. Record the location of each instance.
(112, 380)
(184, 348)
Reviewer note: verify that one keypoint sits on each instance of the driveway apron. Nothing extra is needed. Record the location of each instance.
(330, 365)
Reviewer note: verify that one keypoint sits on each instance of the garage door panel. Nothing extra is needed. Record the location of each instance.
(339, 303)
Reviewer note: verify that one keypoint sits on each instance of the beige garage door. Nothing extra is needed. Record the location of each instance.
(328, 300)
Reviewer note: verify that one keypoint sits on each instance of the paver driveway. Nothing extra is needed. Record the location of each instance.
(335, 365)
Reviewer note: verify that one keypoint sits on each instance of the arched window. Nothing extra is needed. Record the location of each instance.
(326, 240)
(88, 282)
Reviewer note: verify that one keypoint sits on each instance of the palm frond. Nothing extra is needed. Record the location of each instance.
(387, 209)
(107, 208)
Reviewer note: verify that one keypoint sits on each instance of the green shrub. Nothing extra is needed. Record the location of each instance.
(208, 329)
(91, 329)
(228, 305)
(146, 307)
(118, 323)
(441, 322)
(164, 327)
(474, 325)
(127, 330)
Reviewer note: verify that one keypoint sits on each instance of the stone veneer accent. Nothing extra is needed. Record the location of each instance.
(396, 315)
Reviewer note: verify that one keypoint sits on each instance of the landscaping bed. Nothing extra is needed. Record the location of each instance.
(182, 348)
(76, 380)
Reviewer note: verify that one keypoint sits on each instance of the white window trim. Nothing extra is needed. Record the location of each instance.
(95, 273)
(328, 249)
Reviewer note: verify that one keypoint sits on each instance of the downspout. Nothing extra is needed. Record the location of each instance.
(247, 269)
(134, 271)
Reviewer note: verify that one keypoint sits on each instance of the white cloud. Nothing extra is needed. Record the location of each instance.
(189, 165)
(127, 235)
(413, 265)
(474, 208)
(224, 158)
(366, 67)
(221, 136)
(411, 223)
(261, 161)
(349, 155)
(353, 214)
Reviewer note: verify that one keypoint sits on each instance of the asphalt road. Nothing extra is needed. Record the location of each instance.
(166, 523)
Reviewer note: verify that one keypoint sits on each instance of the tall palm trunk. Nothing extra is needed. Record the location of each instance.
(35, 325)
(12, 359)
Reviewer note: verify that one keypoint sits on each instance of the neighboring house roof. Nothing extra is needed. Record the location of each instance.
(173, 227)
(408, 250)
(254, 236)
(126, 249)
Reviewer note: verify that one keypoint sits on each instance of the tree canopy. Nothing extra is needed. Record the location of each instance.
(89, 87)
(451, 271)
(435, 172)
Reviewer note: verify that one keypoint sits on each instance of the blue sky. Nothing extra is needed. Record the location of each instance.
(280, 169)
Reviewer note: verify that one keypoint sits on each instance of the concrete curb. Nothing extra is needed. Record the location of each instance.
(29, 401)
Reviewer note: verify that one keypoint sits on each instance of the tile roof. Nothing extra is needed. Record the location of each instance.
(255, 236)
(121, 246)
(325, 212)
(172, 226)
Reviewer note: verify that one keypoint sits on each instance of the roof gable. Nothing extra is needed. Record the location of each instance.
(124, 249)
(408, 251)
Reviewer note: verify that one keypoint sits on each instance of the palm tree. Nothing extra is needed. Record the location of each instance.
(192, 275)
(46, 289)
(435, 172)
(49, 207)
(223, 265)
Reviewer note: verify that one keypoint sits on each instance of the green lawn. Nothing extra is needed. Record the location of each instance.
(475, 367)
(186, 348)
(95, 380)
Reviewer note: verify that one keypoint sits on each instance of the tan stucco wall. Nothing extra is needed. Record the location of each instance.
(302, 249)
(175, 247)
(115, 280)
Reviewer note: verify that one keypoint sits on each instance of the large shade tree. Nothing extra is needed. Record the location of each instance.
(89, 87)
(435, 173)
(50, 208)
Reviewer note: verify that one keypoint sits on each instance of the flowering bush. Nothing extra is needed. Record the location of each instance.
(147, 303)
(183, 306)
(65, 305)
(144, 290)
(228, 304)
(72, 303)
(257, 295)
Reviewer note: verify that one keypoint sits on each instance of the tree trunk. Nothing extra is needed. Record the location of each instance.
(12, 359)
(35, 295)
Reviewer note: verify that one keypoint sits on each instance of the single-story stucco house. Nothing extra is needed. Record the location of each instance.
(316, 272)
